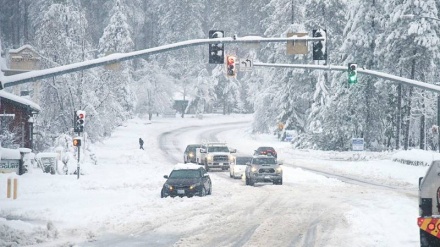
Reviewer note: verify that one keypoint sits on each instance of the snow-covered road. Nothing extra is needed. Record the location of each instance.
(117, 202)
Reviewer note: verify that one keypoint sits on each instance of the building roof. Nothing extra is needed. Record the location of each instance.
(20, 100)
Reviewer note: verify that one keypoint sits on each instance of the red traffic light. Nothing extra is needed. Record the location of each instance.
(80, 114)
(230, 66)
(77, 142)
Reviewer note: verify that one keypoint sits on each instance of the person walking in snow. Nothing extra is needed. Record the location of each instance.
(141, 143)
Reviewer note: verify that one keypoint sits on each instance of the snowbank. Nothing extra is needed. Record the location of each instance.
(416, 157)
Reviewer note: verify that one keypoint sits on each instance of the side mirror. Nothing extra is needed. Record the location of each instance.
(206, 175)
(165, 176)
(280, 162)
(233, 150)
(203, 151)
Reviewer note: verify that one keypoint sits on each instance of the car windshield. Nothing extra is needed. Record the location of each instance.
(185, 174)
(192, 148)
(242, 160)
(262, 161)
(218, 149)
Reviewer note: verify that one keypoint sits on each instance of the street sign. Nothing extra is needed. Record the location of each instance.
(246, 64)
(112, 66)
(298, 46)
(357, 144)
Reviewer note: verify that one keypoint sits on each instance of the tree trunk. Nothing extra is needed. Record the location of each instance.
(422, 125)
(422, 132)
(411, 89)
(399, 115)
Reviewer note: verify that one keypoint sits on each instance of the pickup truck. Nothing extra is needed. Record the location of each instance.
(263, 169)
(214, 155)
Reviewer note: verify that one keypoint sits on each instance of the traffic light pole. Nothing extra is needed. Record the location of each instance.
(13, 80)
(438, 122)
(77, 170)
(409, 82)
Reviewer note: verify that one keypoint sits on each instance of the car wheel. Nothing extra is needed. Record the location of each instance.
(210, 190)
(203, 192)
(247, 180)
(251, 182)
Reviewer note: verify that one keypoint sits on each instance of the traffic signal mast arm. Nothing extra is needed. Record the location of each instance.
(410, 82)
(13, 80)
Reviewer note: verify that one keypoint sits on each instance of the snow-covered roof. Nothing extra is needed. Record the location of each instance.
(18, 99)
(9, 154)
(22, 48)
(181, 166)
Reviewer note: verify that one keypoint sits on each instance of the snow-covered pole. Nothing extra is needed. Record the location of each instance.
(13, 80)
(419, 84)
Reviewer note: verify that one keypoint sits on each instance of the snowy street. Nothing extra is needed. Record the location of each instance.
(372, 202)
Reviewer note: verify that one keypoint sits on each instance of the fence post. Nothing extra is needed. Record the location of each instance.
(11, 187)
(15, 188)
(8, 188)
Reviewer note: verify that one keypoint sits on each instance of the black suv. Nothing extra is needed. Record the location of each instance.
(187, 180)
(190, 153)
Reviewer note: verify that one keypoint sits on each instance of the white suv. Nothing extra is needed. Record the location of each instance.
(236, 169)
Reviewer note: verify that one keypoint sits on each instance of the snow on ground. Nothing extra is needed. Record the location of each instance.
(117, 202)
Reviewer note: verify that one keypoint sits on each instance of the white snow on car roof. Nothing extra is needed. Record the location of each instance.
(181, 166)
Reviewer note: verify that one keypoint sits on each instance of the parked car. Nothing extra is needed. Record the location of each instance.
(266, 151)
(263, 168)
(187, 180)
(189, 156)
(288, 135)
(237, 168)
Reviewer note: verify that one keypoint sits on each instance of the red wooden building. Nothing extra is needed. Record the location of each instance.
(16, 120)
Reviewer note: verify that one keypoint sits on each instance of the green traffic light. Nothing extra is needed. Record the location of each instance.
(352, 78)
(352, 73)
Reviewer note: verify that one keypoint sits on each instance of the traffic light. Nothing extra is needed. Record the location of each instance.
(80, 119)
(319, 47)
(77, 142)
(231, 69)
(352, 73)
(216, 51)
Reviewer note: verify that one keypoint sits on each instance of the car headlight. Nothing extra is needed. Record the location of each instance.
(254, 169)
(209, 158)
(231, 158)
(169, 187)
(193, 186)
(191, 155)
(279, 170)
